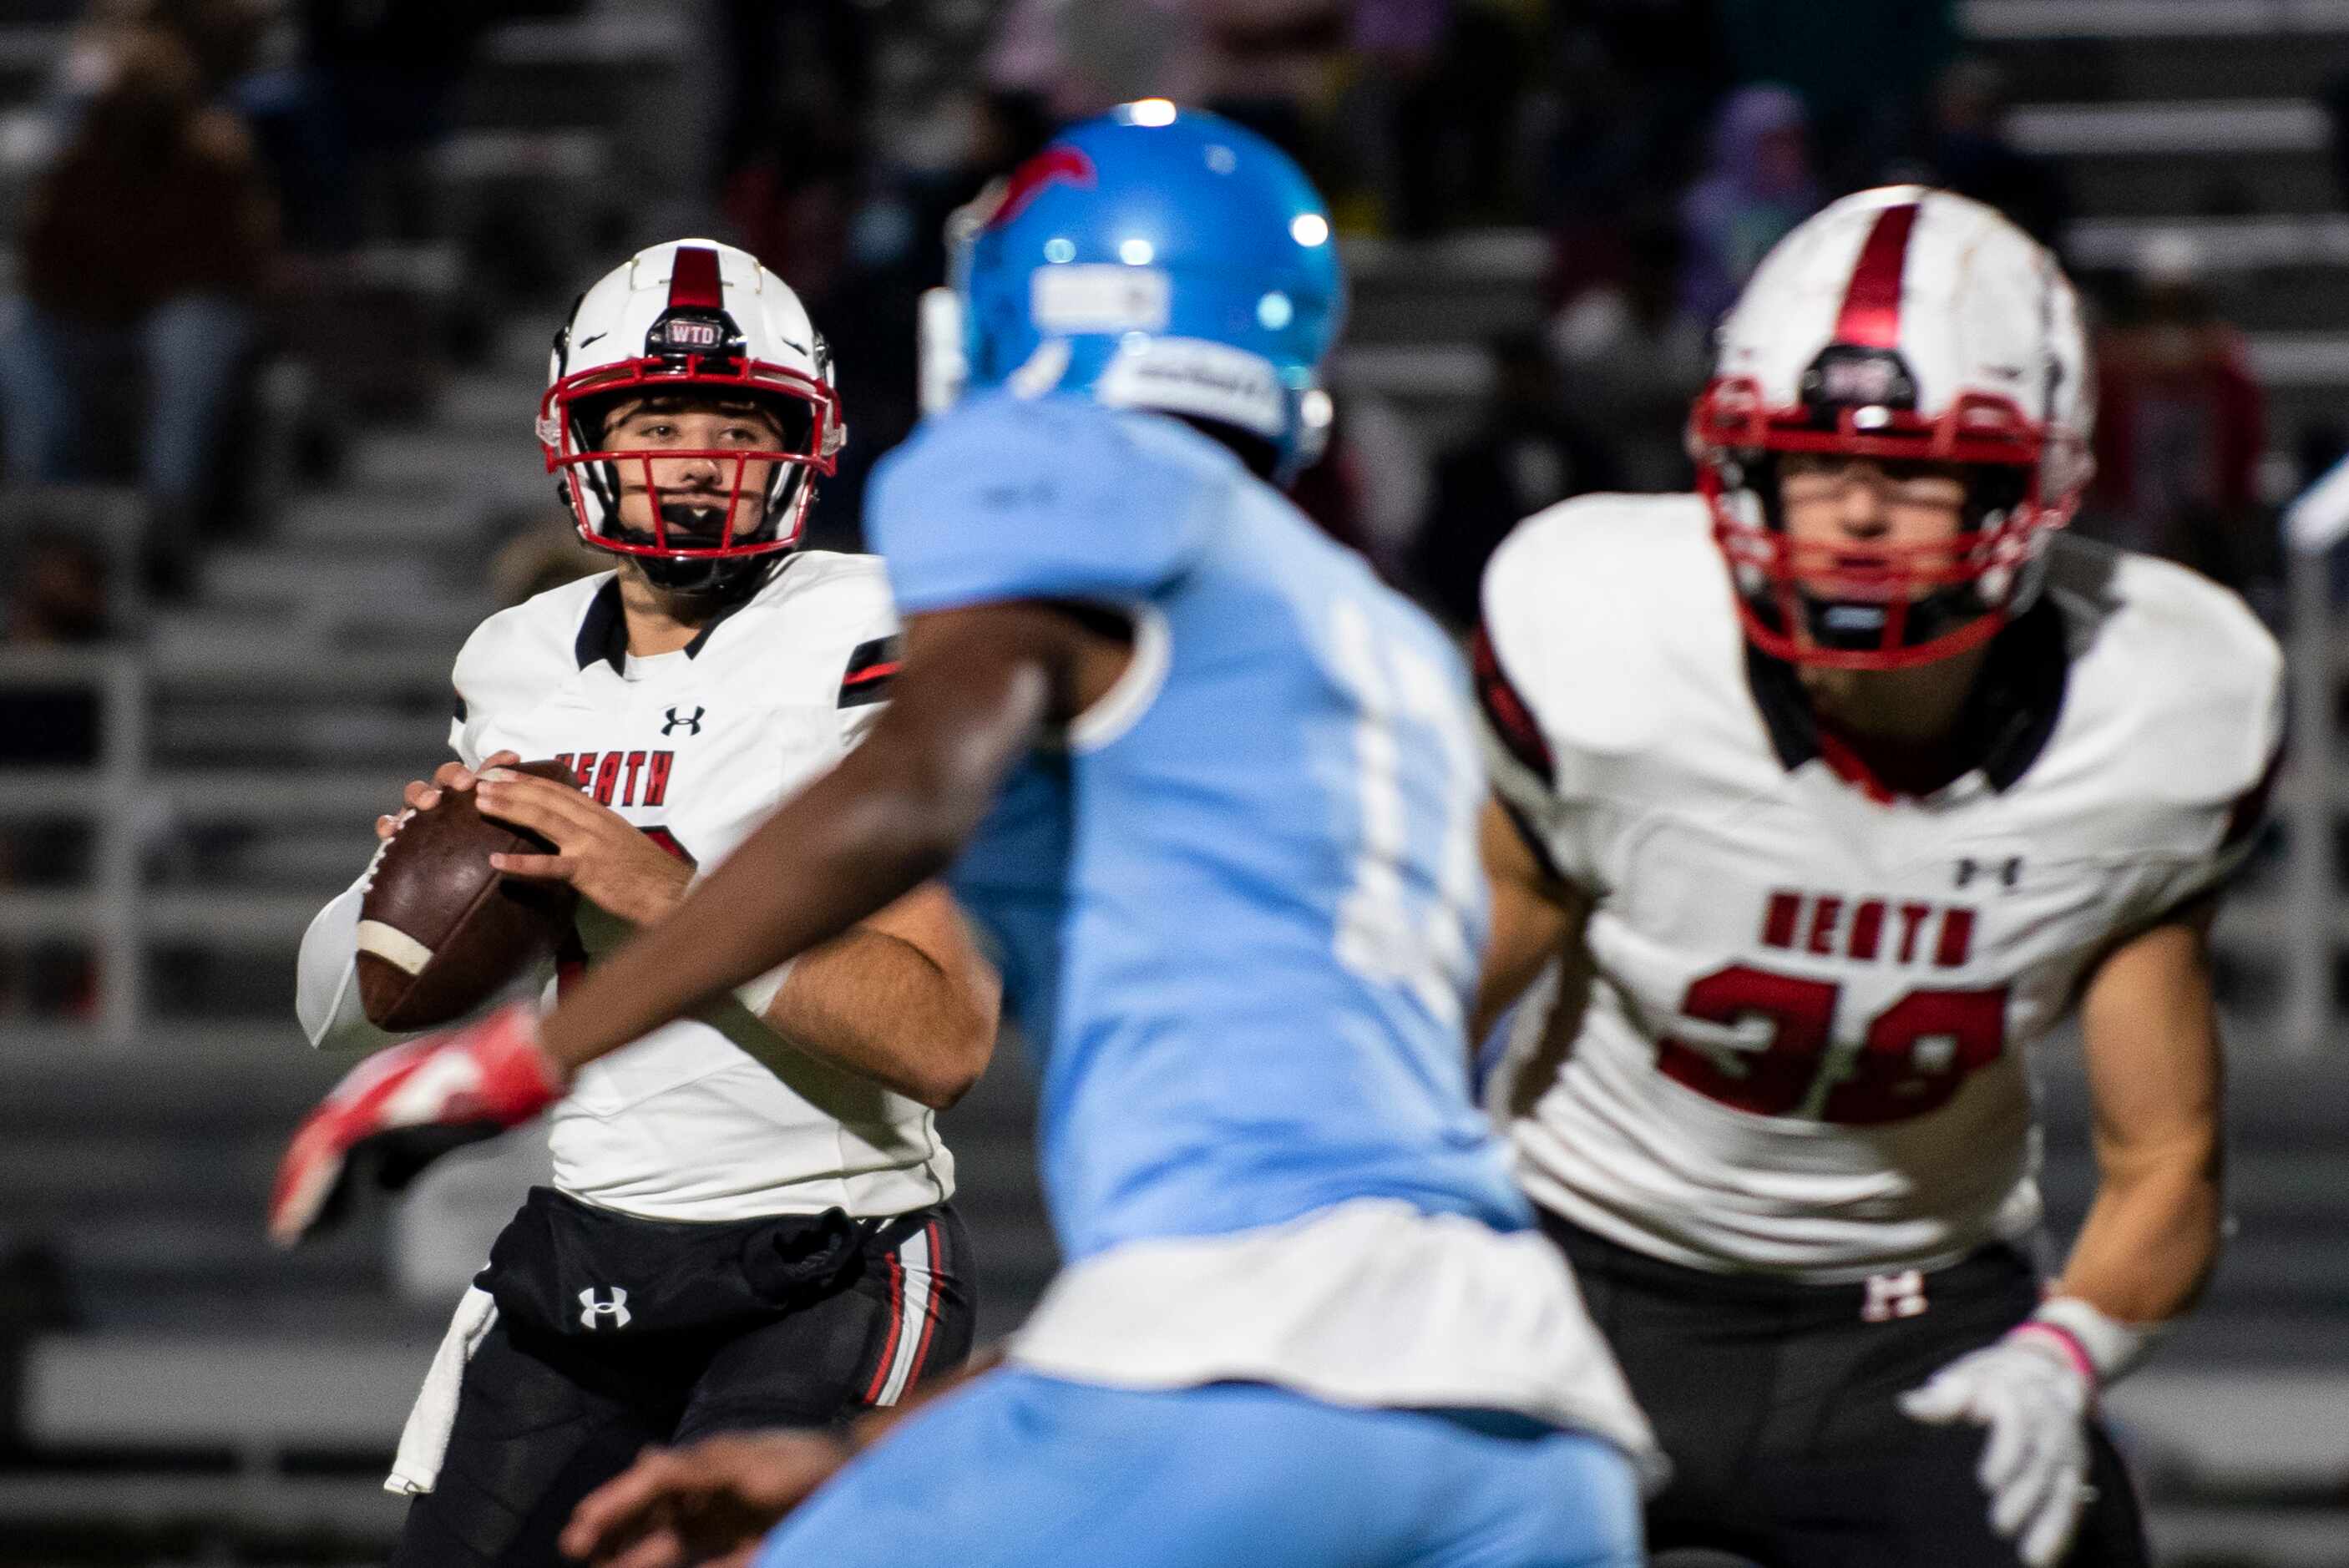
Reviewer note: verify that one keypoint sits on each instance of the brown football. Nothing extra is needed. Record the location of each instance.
(441, 932)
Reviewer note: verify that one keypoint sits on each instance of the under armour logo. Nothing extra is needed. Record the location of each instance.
(592, 1312)
(2010, 871)
(688, 722)
(1892, 1296)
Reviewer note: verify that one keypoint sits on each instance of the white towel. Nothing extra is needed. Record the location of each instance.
(425, 1439)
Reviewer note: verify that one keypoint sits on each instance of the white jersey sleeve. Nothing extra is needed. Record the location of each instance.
(325, 984)
(863, 623)
(2206, 737)
(463, 728)
(491, 667)
(509, 660)
(1557, 683)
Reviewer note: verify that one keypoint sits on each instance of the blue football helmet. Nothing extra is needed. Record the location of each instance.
(1159, 258)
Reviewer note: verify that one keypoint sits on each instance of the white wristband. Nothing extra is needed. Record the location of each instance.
(2112, 1347)
(760, 995)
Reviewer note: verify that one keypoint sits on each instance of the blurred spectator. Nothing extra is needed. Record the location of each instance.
(998, 131)
(144, 246)
(386, 79)
(2180, 426)
(1970, 152)
(1863, 70)
(1526, 453)
(1331, 492)
(1619, 120)
(1080, 56)
(223, 37)
(1627, 87)
(58, 597)
(786, 61)
(2335, 96)
(1756, 186)
(349, 127)
(1265, 63)
(1633, 359)
(792, 138)
(1442, 82)
(897, 249)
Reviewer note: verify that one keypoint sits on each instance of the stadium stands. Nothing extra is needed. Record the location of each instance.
(202, 1394)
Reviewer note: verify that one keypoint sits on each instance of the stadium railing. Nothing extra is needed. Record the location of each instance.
(106, 794)
(2313, 527)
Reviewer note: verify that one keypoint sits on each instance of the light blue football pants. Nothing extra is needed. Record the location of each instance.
(1026, 1471)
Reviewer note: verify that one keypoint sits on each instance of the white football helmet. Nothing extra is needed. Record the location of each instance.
(1902, 325)
(689, 314)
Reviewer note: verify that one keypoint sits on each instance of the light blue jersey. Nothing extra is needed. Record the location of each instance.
(1304, 1318)
(1240, 915)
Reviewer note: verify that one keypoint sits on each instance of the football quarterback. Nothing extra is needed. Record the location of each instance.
(1820, 794)
(751, 1223)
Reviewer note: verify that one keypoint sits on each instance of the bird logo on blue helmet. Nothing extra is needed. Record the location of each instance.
(1158, 258)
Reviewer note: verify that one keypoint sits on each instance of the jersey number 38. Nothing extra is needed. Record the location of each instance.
(1913, 1058)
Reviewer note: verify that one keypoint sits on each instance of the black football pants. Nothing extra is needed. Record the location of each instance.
(1775, 1401)
(549, 1412)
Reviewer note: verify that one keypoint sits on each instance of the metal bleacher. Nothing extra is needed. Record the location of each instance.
(193, 1395)
(2201, 118)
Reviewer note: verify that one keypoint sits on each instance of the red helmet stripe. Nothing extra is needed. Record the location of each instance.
(693, 281)
(1871, 305)
(1056, 162)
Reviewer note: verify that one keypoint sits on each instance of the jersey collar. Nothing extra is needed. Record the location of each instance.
(2007, 724)
(604, 629)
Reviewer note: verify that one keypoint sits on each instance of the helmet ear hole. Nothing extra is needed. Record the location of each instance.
(1993, 494)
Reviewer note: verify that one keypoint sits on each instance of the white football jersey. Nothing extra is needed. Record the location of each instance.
(1801, 1048)
(698, 748)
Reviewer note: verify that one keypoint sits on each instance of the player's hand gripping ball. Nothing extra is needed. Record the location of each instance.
(592, 850)
(441, 930)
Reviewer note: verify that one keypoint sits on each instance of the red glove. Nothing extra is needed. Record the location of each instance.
(402, 1109)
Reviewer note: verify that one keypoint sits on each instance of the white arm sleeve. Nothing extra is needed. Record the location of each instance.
(325, 982)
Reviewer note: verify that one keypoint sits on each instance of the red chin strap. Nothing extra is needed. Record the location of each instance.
(1779, 580)
(557, 437)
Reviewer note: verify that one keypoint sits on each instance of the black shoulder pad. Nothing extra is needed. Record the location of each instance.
(870, 669)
